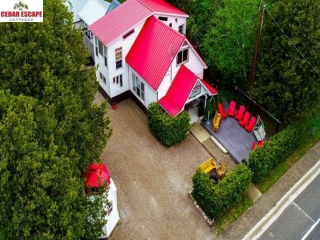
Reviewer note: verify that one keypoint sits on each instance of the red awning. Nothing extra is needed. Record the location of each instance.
(96, 175)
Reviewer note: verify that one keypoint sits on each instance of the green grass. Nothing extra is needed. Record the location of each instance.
(234, 213)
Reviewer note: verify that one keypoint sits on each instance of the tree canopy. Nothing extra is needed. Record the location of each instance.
(50, 130)
(288, 67)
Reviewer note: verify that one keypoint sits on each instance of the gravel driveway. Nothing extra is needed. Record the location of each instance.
(152, 181)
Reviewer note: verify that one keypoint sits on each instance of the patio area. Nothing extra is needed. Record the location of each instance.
(233, 137)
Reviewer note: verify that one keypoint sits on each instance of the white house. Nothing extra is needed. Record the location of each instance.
(141, 52)
(86, 12)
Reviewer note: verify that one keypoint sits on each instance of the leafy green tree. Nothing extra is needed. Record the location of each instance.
(46, 61)
(287, 82)
(42, 192)
(229, 41)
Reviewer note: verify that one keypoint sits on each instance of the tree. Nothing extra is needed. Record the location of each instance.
(229, 43)
(46, 62)
(287, 78)
(42, 193)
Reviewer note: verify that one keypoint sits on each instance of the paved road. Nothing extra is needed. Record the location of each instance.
(301, 215)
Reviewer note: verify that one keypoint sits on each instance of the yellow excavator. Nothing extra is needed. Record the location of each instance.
(216, 170)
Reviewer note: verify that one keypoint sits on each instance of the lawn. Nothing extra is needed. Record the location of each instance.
(234, 213)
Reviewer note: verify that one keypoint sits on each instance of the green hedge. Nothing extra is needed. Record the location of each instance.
(166, 129)
(275, 150)
(216, 199)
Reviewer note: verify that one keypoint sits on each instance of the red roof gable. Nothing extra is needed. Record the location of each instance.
(161, 6)
(211, 89)
(153, 51)
(119, 21)
(178, 93)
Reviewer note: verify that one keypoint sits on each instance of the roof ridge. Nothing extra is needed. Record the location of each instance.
(146, 6)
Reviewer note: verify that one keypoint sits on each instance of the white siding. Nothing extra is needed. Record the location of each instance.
(110, 72)
(150, 94)
(194, 63)
(164, 86)
(175, 21)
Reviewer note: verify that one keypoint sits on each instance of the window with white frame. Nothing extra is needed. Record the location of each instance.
(105, 56)
(118, 52)
(138, 86)
(118, 80)
(182, 56)
(96, 44)
(103, 78)
(100, 48)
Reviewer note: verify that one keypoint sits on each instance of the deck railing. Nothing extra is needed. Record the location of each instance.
(89, 44)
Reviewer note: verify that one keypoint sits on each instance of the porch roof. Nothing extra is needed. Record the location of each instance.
(178, 93)
(93, 10)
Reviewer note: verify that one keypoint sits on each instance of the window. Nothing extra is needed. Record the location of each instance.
(182, 56)
(181, 29)
(105, 56)
(118, 80)
(163, 18)
(103, 78)
(96, 43)
(128, 34)
(100, 48)
(170, 25)
(118, 52)
(138, 86)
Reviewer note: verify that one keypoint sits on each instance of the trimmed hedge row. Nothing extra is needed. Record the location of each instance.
(166, 129)
(275, 150)
(216, 199)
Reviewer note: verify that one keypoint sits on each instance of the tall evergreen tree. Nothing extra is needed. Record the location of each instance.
(287, 78)
(46, 62)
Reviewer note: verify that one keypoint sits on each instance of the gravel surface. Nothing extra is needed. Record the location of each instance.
(152, 181)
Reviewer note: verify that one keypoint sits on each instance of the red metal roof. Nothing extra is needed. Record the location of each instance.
(178, 93)
(161, 6)
(119, 21)
(153, 51)
(210, 89)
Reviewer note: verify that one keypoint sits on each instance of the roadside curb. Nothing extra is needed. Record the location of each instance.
(281, 205)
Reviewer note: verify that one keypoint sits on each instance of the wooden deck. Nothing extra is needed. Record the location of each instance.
(233, 137)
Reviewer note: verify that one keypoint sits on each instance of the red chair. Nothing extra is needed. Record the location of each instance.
(232, 109)
(251, 124)
(245, 120)
(240, 113)
(222, 111)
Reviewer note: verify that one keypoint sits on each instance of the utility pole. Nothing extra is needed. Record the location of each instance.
(255, 61)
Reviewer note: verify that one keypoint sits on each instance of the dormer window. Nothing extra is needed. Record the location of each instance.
(182, 56)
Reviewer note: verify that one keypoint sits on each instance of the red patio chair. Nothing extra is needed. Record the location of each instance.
(251, 124)
(232, 109)
(245, 120)
(222, 111)
(240, 113)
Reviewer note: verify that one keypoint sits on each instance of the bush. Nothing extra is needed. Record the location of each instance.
(275, 150)
(211, 107)
(166, 129)
(217, 199)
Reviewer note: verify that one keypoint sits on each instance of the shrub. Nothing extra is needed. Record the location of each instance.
(166, 129)
(275, 150)
(216, 199)
(211, 107)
